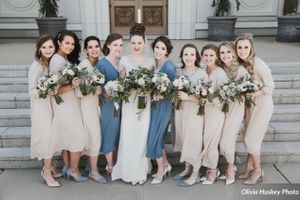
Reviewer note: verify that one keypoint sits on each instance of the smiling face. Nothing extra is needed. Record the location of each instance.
(137, 44)
(243, 48)
(210, 57)
(160, 51)
(115, 48)
(67, 45)
(226, 55)
(189, 56)
(93, 49)
(47, 49)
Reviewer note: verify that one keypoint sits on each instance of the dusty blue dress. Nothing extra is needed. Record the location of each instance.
(160, 118)
(110, 125)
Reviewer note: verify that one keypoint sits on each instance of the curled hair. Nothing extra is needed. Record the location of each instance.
(39, 43)
(248, 62)
(215, 49)
(138, 29)
(89, 38)
(73, 57)
(164, 40)
(234, 64)
(110, 38)
(198, 58)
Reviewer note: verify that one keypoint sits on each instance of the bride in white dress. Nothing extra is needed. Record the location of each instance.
(132, 165)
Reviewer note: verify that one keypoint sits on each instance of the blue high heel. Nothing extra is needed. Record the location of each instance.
(183, 174)
(71, 175)
(64, 171)
(100, 179)
(183, 183)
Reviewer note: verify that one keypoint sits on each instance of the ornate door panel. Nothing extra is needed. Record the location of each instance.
(124, 13)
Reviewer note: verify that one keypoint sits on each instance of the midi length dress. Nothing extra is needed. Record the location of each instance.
(41, 115)
(67, 126)
(189, 126)
(91, 116)
(110, 125)
(160, 117)
(257, 118)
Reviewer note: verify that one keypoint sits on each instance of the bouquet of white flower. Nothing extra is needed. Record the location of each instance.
(47, 85)
(115, 90)
(180, 84)
(204, 90)
(248, 85)
(230, 91)
(140, 80)
(161, 87)
(71, 72)
(89, 82)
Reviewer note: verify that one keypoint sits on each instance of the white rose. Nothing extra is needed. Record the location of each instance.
(163, 88)
(176, 82)
(210, 90)
(70, 72)
(204, 92)
(141, 82)
(154, 79)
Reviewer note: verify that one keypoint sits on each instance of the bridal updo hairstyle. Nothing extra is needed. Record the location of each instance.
(138, 29)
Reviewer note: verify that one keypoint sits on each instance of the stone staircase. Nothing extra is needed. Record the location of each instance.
(281, 143)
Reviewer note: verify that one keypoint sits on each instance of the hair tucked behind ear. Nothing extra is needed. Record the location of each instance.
(73, 57)
(248, 62)
(110, 38)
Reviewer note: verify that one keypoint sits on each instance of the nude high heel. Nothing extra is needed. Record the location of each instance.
(255, 178)
(48, 179)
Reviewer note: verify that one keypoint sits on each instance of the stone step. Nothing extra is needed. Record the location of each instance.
(14, 100)
(15, 117)
(15, 136)
(14, 84)
(13, 71)
(271, 152)
(277, 131)
(286, 113)
(285, 67)
(21, 116)
(286, 96)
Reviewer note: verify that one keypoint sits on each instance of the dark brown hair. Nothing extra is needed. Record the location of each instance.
(73, 57)
(110, 38)
(89, 38)
(39, 43)
(198, 58)
(164, 40)
(138, 29)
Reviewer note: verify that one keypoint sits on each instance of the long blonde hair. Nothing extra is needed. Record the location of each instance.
(248, 62)
(234, 65)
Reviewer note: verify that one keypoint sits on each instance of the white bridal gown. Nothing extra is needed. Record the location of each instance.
(132, 164)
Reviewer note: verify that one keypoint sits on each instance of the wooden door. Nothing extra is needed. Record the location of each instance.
(124, 13)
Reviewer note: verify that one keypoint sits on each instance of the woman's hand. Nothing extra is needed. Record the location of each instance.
(183, 96)
(75, 83)
(51, 92)
(99, 90)
(255, 94)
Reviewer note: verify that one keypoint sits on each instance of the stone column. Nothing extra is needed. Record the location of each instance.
(95, 18)
(181, 19)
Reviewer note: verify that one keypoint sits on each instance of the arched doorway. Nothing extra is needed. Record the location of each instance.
(153, 14)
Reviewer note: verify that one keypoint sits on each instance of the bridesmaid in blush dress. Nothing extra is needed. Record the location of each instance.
(189, 125)
(257, 118)
(67, 126)
(41, 110)
(161, 114)
(214, 117)
(235, 115)
(90, 110)
(110, 125)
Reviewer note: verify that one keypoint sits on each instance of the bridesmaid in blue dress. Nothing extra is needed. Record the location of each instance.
(161, 114)
(110, 125)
